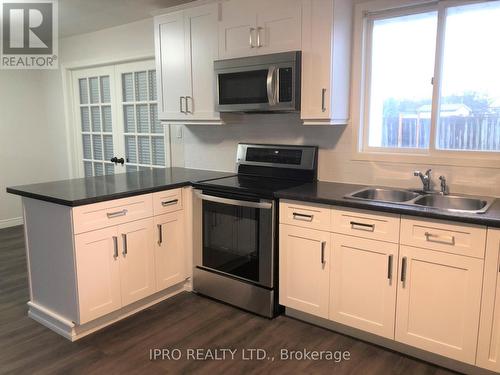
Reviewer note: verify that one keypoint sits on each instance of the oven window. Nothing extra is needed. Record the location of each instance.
(243, 87)
(231, 239)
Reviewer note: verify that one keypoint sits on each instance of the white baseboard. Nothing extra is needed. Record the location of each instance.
(6, 223)
(74, 332)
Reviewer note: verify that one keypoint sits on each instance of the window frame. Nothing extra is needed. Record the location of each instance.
(365, 14)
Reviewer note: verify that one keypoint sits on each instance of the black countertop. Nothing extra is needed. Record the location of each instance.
(81, 191)
(333, 193)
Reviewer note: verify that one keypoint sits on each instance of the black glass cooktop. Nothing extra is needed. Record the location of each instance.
(250, 184)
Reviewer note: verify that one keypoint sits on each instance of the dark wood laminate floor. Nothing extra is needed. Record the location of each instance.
(186, 321)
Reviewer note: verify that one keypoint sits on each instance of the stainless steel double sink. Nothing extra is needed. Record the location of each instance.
(452, 203)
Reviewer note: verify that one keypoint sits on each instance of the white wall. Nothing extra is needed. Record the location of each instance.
(117, 43)
(214, 147)
(32, 146)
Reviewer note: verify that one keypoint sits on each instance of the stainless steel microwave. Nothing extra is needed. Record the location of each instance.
(264, 83)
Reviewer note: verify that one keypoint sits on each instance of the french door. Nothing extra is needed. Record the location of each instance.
(117, 122)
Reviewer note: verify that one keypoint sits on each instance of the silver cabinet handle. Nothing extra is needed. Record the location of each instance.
(169, 203)
(112, 215)
(323, 244)
(124, 239)
(302, 217)
(250, 39)
(187, 104)
(447, 240)
(258, 36)
(160, 234)
(180, 104)
(323, 96)
(362, 226)
(389, 267)
(403, 270)
(115, 247)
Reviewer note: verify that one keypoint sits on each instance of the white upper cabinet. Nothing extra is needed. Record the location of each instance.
(259, 27)
(170, 65)
(186, 47)
(326, 61)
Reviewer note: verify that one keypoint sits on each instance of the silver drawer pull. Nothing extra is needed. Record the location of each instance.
(362, 226)
(302, 217)
(112, 215)
(447, 240)
(169, 203)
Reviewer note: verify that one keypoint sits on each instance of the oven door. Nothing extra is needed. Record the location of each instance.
(237, 237)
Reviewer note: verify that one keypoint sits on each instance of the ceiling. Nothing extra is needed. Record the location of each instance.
(84, 16)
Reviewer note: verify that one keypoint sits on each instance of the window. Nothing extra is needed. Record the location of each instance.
(432, 83)
(117, 115)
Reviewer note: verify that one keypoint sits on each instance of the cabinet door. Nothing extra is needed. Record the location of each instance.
(316, 59)
(171, 66)
(488, 351)
(304, 269)
(278, 26)
(237, 29)
(438, 302)
(326, 54)
(363, 284)
(137, 268)
(98, 273)
(170, 254)
(201, 51)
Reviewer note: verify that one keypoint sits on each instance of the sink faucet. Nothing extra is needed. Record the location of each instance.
(426, 179)
(445, 190)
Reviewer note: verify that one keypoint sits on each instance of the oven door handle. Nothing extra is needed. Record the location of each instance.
(267, 205)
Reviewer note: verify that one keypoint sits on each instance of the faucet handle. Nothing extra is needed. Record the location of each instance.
(444, 186)
(416, 173)
(428, 171)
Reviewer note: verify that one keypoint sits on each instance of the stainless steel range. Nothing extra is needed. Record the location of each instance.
(235, 257)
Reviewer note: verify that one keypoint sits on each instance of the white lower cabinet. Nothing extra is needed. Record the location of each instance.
(127, 262)
(363, 284)
(438, 304)
(98, 273)
(488, 351)
(416, 281)
(137, 263)
(170, 254)
(304, 269)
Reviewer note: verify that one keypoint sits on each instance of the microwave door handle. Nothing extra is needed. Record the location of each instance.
(271, 88)
(234, 202)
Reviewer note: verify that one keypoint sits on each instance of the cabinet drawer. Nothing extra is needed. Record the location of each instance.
(105, 214)
(361, 223)
(310, 215)
(167, 201)
(461, 239)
